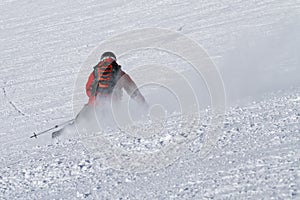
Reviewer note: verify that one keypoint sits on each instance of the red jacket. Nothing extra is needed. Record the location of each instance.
(123, 82)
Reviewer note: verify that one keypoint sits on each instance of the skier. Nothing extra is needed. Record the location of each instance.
(106, 82)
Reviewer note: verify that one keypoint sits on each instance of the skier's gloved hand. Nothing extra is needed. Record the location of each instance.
(145, 109)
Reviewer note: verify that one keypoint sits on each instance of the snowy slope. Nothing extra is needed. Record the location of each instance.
(257, 157)
(254, 44)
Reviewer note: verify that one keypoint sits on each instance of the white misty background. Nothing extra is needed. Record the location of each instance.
(261, 63)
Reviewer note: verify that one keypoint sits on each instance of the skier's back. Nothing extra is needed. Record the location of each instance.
(108, 80)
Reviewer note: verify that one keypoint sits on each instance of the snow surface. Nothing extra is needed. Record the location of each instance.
(254, 44)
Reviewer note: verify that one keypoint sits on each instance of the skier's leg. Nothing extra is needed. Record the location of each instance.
(83, 111)
(79, 117)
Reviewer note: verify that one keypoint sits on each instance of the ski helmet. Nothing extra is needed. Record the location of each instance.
(108, 54)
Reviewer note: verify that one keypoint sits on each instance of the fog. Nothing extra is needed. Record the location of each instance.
(262, 63)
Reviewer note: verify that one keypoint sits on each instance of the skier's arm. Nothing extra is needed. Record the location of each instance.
(88, 86)
(132, 90)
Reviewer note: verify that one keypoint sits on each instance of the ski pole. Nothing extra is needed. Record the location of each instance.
(54, 127)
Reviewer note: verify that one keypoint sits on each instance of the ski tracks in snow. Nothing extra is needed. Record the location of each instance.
(12, 103)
